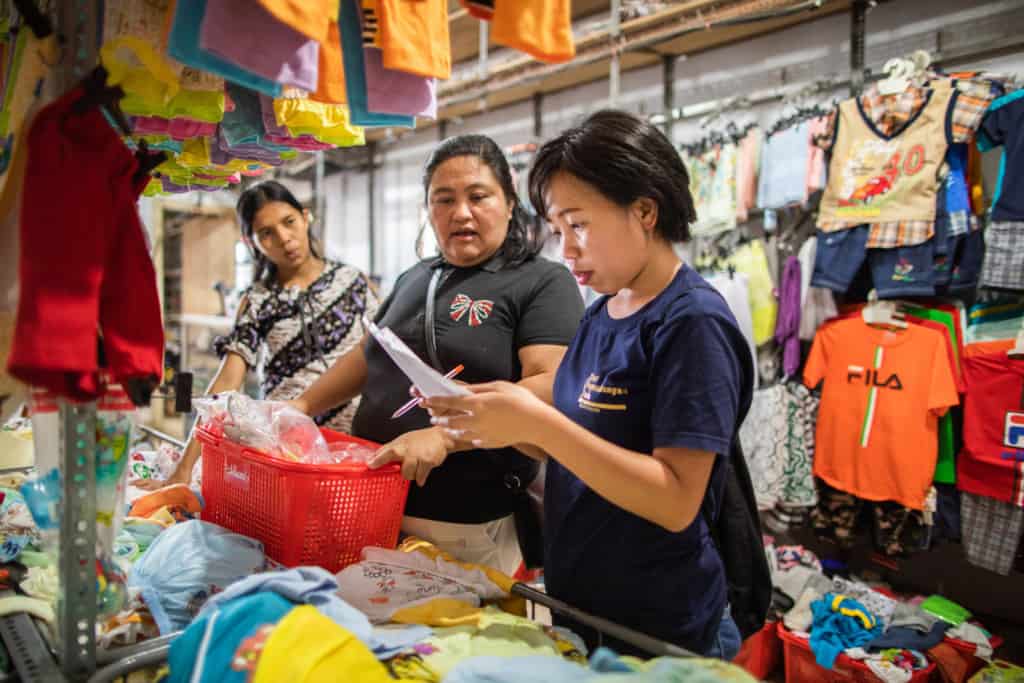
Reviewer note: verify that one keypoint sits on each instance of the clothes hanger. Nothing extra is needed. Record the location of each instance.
(37, 21)
(902, 72)
(1017, 352)
(99, 94)
(147, 161)
(878, 313)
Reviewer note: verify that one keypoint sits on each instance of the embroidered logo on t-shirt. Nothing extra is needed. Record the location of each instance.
(598, 397)
(1013, 430)
(903, 271)
(478, 311)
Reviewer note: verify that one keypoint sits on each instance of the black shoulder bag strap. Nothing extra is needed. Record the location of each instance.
(528, 528)
(428, 317)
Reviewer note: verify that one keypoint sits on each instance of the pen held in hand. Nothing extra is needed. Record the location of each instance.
(416, 401)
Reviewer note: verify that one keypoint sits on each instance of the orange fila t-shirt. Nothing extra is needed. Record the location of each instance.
(884, 392)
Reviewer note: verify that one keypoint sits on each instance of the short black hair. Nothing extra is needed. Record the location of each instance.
(520, 244)
(624, 158)
(251, 201)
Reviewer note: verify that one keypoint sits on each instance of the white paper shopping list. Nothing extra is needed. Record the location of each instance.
(429, 381)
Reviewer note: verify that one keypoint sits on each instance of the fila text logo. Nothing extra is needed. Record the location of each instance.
(1013, 430)
(872, 378)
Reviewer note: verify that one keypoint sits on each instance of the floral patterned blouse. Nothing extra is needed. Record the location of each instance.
(292, 336)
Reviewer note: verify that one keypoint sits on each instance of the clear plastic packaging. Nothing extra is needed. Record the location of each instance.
(347, 452)
(272, 427)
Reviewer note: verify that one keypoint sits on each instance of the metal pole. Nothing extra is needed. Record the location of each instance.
(668, 91)
(485, 41)
(319, 199)
(78, 24)
(858, 21)
(371, 150)
(615, 68)
(538, 115)
(76, 609)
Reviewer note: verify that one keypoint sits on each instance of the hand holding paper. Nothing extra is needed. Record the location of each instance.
(429, 381)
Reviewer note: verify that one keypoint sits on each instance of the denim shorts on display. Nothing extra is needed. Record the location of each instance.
(967, 261)
(943, 238)
(1004, 255)
(903, 271)
(945, 248)
(838, 257)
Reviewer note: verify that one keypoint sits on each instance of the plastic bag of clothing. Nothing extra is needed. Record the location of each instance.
(17, 528)
(272, 427)
(187, 564)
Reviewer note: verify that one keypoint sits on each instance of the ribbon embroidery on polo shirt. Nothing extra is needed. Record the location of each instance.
(478, 310)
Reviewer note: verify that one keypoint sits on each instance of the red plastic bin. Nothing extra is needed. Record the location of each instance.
(761, 653)
(304, 514)
(801, 666)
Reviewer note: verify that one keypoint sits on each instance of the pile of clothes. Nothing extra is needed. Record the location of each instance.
(414, 613)
(894, 638)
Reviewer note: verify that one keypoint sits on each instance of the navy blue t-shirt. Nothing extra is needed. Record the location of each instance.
(674, 374)
(1004, 125)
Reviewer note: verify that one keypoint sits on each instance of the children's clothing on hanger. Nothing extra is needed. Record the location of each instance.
(109, 277)
(713, 186)
(992, 460)
(748, 165)
(784, 160)
(817, 304)
(750, 260)
(889, 113)
(882, 390)
(876, 176)
(735, 288)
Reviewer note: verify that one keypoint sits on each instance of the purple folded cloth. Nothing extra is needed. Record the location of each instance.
(175, 188)
(245, 34)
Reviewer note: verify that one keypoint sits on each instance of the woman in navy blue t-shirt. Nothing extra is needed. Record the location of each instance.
(647, 398)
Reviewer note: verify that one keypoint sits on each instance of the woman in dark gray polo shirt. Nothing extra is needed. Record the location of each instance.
(502, 312)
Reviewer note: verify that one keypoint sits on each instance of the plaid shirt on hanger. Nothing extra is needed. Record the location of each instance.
(888, 114)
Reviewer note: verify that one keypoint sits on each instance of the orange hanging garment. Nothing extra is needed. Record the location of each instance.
(308, 17)
(331, 85)
(414, 37)
(540, 28)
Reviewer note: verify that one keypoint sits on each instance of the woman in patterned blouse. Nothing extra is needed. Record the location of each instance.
(301, 313)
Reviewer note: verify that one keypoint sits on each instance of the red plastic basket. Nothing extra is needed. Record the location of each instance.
(801, 666)
(761, 653)
(968, 653)
(321, 515)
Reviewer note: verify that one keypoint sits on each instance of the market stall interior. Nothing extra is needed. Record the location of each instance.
(857, 174)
